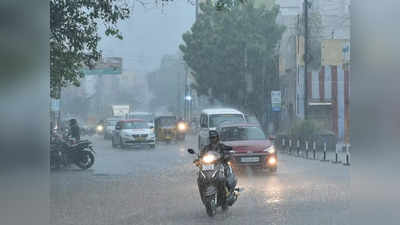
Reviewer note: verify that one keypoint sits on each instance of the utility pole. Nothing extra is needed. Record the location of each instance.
(197, 9)
(305, 57)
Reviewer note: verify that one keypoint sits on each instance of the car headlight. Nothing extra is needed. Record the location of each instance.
(100, 128)
(181, 126)
(270, 150)
(272, 160)
(208, 158)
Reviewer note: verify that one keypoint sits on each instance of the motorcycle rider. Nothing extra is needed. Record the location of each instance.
(216, 145)
(74, 130)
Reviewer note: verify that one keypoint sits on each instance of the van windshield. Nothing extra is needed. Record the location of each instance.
(216, 120)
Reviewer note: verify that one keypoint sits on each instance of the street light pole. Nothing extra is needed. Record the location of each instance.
(305, 57)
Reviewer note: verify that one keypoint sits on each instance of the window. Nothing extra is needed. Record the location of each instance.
(216, 120)
(203, 121)
(135, 125)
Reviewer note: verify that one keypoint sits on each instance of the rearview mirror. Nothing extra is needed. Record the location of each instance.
(191, 151)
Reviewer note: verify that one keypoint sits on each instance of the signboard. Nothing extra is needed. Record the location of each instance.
(120, 110)
(106, 66)
(335, 52)
(276, 101)
(55, 105)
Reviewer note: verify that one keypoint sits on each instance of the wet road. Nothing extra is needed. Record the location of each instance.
(158, 186)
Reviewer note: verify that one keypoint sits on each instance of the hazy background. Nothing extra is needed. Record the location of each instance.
(150, 33)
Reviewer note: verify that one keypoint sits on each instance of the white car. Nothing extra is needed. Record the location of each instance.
(133, 133)
(146, 116)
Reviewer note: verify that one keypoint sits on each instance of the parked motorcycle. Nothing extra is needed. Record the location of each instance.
(213, 183)
(63, 153)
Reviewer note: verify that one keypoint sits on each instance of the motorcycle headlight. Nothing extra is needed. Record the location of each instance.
(181, 126)
(208, 158)
(270, 150)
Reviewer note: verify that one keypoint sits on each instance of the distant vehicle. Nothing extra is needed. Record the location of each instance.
(212, 118)
(133, 133)
(109, 126)
(182, 128)
(250, 146)
(146, 116)
(166, 128)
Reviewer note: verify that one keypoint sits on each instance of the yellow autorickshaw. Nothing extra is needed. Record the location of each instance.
(165, 128)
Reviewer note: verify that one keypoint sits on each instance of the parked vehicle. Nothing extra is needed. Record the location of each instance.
(165, 128)
(210, 119)
(133, 133)
(64, 153)
(250, 146)
(212, 181)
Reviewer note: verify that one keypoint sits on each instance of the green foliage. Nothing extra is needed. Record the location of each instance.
(221, 42)
(74, 36)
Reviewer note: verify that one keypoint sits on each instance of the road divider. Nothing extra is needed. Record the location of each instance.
(321, 150)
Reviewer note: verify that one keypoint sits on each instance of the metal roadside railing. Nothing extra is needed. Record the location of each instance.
(314, 149)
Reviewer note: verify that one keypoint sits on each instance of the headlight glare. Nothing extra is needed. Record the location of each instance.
(100, 128)
(208, 158)
(181, 126)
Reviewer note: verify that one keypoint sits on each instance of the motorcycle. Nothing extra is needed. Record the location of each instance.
(63, 153)
(213, 183)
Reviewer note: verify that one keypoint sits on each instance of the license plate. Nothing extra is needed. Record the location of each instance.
(250, 159)
(208, 167)
(140, 139)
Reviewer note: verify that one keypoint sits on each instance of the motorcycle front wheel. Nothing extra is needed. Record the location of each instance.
(211, 205)
(85, 160)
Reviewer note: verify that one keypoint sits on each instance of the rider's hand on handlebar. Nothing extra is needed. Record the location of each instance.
(196, 162)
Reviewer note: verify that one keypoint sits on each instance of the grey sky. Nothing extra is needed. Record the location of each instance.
(149, 34)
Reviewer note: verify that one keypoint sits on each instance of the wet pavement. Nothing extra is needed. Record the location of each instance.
(158, 186)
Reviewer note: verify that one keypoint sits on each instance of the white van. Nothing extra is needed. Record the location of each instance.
(210, 119)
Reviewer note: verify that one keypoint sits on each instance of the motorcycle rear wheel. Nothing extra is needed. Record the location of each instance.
(86, 160)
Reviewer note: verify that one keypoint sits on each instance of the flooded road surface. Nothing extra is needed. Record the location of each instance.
(158, 186)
